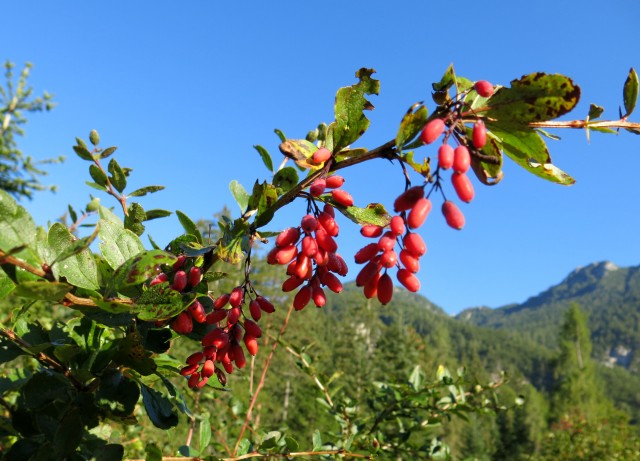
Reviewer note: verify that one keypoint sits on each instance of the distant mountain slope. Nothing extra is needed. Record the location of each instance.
(609, 294)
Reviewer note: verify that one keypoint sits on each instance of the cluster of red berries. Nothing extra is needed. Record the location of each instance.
(222, 343)
(316, 261)
(458, 159)
(381, 255)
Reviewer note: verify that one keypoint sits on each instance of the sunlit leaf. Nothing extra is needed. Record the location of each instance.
(630, 92)
(117, 243)
(285, 179)
(411, 124)
(264, 155)
(145, 190)
(189, 226)
(374, 213)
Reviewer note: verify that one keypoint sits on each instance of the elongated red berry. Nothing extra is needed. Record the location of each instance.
(195, 276)
(483, 88)
(419, 213)
(285, 255)
(237, 296)
(161, 277)
(432, 130)
(479, 134)
(371, 231)
(385, 289)
(342, 197)
(234, 315)
(325, 241)
(309, 246)
(252, 328)
(302, 298)
(196, 309)
(397, 225)
(288, 237)
(216, 316)
(318, 296)
(366, 253)
(368, 271)
(408, 198)
(388, 259)
(194, 379)
(461, 159)
(195, 358)
(251, 344)
(254, 310)
(179, 281)
(303, 265)
(179, 262)
(463, 187)
(329, 223)
(335, 181)
(321, 155)
(387, 241)
(292, 283)
(189, 369)
(309, 223)
(265, 305)
(207, 369)
(445, 156)
(328, 208)
(409, 280)
(337, 264)
(318, 187)
(332, 282)
(182, 324)
(453, 215)
(410, 261)
(217, 337)
(414, 244)
(371, 287)
(238, 356)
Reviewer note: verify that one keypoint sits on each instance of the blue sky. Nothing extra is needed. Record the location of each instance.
(186, 91)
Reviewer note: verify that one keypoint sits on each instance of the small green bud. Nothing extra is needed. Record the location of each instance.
(93, 205)
(94, 137)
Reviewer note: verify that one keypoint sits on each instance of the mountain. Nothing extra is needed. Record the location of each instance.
(608, 294)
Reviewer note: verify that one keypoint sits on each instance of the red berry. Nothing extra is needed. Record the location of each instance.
(328, 208)
(161, 277)
(397, 225)
(252, 328)
(371, 287)
(318, 296)
(453, 215)
(367, 272)
(388, 259)
(445, 156)
(463, 187)
(182, 324)
(195, 358)
(408, 198)
(234, 316)
(308, 223)
(194, 379)
(197, 311)
(335, 181)
(385, 289)
(410, 261)
(461, 159)
(479, 134)
(321, 155)
(237, 296)
(409, 280)
(309, 246)
(329, 223)
(221, 301)
(179, 262)
(292, 283)
(303, 266)
(325, 241)
(208, 369)
(332, 282)
(419, 213)
(317, 187)
(287, 237)
(285, 255)
(179, 281)
(195, 276)
(265, 305)
(302, 298)
(366, 253)
(387, 241)
(414, 244)
(254, 310)
(432, 130)
(238, 356)
(251, 344)
(337, 264)
(342, 197)
(216, 316)
(217, 337)
(189, 369)
(483, 88)
(371, 231)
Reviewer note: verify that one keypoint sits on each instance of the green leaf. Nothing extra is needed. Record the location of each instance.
(350, 103)
(235, 237)
(527, 149)
(533, 98)
(280, 135)
(159, 408)
(263, 197)
(189, 226)
(134, 218)
(6, 285)
(374, 213)
(159, 302)
(118, 177)
(488, 169)
(240, 194)
(630, 92)
(107, 152)
(140, 268)
(69, 433)
(411, 124)
(152, 453)
(317, 440)
(145, 190)
(119, 393)
(97, 174)
(447, 80)
(266, 158)
(96, 186)
(117, 243)
(71, 258)
(421, 168)
(416, 378)
(595, 111)
(16, 225)
(83, 153)
(285, 179)
(44, 291)
(204, 434)
(156, 213)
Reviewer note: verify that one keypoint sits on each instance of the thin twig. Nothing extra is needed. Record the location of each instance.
(262, 380)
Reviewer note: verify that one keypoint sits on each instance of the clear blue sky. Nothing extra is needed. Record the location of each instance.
(186, 89)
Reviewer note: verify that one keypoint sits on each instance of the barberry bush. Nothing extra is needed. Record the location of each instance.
(102, 356)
